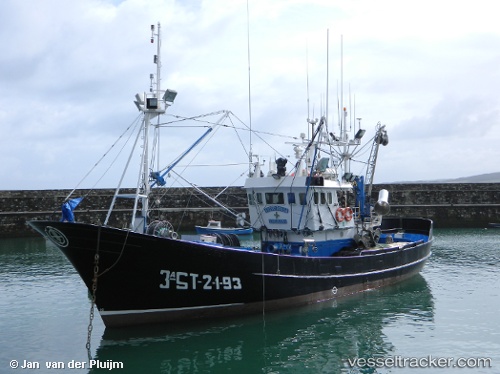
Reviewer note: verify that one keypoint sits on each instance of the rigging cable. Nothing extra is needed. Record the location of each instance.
(318, 129)
(134, 123)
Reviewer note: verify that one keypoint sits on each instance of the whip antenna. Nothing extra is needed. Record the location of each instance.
(327, 74)
(307, 80)
(249, 92)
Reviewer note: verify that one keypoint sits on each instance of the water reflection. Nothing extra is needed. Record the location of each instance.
(44, 307)
(318, 338)
(45, 314)
(472, 248)
(31, 257)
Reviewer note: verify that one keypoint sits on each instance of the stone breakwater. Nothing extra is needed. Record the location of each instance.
(183, 207)
(449, 205)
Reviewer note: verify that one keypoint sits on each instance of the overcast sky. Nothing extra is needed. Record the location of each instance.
(428, 70)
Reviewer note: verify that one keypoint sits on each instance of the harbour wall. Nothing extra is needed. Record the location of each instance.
(448, 204)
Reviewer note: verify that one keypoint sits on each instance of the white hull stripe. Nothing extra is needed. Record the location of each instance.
(140, 311)
(345, 275)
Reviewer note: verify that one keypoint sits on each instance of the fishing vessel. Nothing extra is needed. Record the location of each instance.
(322, 236)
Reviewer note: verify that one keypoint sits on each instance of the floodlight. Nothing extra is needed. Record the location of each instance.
(139, 99)
(359, 134)
(169, 96)
(138, 105)
(349, 177)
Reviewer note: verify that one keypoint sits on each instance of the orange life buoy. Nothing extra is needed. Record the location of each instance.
(348, 214)
(339, 214)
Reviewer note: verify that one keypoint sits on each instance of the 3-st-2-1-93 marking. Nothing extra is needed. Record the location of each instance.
(181, 280)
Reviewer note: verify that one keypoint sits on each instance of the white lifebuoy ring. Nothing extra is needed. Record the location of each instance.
(348, 214)
(339, 214)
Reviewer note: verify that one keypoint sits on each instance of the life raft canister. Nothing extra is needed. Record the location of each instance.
(348, 213)
(339, 214)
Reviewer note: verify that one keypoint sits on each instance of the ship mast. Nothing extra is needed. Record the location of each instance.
(346, 140)
(156, 103)
(151, 104)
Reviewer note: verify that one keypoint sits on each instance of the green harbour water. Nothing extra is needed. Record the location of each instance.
(446, 317)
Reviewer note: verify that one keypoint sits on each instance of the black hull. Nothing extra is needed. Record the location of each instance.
(146, 279)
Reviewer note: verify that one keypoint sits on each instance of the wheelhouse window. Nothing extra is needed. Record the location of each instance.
(255, 198)
(251, 200)
(319, 198)
(258, 197)
(274, 198)
(302, 198)
(291, 198)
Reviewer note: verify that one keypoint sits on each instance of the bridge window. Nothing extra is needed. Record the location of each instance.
(291, 198)
(255, 198)
(274, 198)
(302, 198)
(258, 197)
(319, 198)
(251, 201)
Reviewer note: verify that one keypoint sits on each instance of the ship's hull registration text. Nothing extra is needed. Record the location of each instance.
(181, 280)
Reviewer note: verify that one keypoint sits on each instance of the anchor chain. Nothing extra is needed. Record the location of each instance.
(93, 299)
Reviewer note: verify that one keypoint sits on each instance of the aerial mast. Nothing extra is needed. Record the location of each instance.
(152, 104)
(342, 117)
(158, 60)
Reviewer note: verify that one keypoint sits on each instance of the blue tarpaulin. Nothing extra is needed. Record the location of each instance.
(67, 209)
